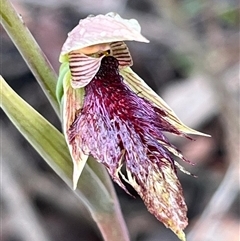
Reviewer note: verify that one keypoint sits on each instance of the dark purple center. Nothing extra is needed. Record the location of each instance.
(115, 123)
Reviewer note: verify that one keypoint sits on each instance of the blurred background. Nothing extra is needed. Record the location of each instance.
(192, 61)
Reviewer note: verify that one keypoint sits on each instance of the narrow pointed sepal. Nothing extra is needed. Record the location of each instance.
(78, 166)
(139, 86)
(72, 102)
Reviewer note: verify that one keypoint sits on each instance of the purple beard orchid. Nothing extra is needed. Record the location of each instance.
(111, 114)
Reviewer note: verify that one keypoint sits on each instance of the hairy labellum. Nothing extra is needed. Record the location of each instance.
(109, 108)
(118, 127)
(109, 112)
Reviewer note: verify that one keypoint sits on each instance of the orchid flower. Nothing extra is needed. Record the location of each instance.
(110, 113)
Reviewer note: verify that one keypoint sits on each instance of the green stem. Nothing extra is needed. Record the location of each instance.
(95, 189)
(30, 51)
(120, 233)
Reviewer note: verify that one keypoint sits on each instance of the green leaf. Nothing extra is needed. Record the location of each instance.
(36, 60)
(50, 144)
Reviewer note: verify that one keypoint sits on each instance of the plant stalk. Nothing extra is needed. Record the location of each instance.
(95, 189)
(30, 51)
(103, 206)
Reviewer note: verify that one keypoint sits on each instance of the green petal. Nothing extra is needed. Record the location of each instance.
(64, 72)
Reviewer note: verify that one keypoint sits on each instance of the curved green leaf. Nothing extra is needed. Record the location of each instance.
(50, 144)
(36, 60)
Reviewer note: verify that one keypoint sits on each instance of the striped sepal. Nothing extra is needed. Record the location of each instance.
(120, 51)
(137, 85)
(83, 68)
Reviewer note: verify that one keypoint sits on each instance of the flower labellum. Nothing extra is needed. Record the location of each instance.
(110, 113)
